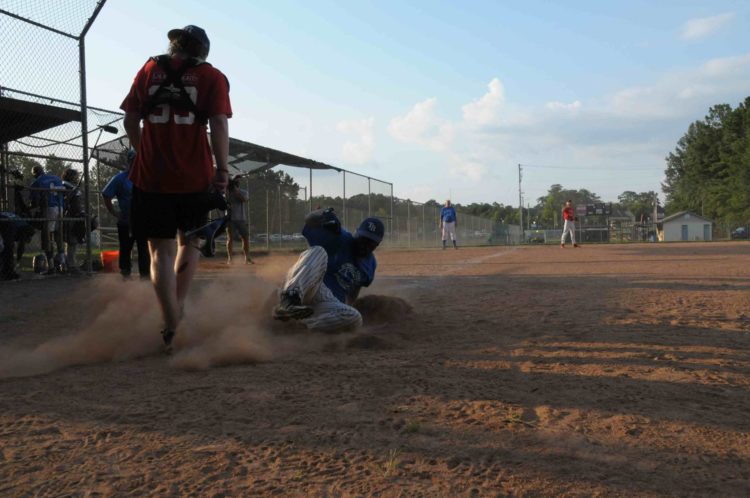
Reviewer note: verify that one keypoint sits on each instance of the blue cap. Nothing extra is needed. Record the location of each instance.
(371, 228)
(199, 34)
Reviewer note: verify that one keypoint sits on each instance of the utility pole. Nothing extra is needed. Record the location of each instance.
(520, 202)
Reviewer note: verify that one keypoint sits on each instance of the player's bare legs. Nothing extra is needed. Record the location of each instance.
(246, 249)
(185, 267)
(163, 255)
(230, 243)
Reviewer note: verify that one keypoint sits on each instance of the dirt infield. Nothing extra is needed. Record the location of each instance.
(534, 371)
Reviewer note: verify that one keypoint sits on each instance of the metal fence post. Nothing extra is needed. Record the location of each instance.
(408, 222)
(424, 226)
(268, 235)
(391, 210)
(85, 145)
(98, 196)
(247, 205)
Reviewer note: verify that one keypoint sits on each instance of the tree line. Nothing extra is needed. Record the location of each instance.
(708, 172)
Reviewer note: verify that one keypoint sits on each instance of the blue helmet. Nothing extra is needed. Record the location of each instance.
(371, 228)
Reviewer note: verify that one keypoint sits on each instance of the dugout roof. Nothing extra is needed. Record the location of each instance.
(244, 157)
(23, 118)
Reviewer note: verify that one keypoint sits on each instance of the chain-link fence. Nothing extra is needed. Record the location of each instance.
(45, 122)
(280, 198)
(417, 224)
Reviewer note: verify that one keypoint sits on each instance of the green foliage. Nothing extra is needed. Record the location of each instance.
(640, 204)
(497, 212)
(55, 166)
(548, 208)
(708, 171)
(24, 165)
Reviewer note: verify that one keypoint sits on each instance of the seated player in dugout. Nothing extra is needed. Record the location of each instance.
(326, 279)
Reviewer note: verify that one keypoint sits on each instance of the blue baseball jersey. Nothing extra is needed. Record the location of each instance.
(121, 187)
(54, 199)
(448, 214)
(318, 236)
(346, 273)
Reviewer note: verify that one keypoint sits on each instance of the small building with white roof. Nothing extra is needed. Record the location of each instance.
(686, 226)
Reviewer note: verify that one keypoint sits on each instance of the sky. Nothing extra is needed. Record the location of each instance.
(446, 99)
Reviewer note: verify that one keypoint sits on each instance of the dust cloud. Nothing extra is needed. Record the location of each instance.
(119, 320)
(227, 321)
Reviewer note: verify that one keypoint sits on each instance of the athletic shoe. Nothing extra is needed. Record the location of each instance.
(167, 335)
(249, 261)
(575, 245)
(291, 307)
(562, 246)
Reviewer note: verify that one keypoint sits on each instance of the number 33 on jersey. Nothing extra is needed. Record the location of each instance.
(175, 99)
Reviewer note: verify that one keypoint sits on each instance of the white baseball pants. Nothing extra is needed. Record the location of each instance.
(330, 314)
(569, 226)
(449, 227)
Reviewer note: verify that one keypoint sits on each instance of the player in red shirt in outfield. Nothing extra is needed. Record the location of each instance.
(175, 184)
(569, 215)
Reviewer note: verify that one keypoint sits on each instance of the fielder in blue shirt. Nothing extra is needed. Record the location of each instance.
(49, 205)
(121, 188)
(448, 222)
(328, 277)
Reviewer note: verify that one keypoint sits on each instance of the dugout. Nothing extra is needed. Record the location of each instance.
(44, 115)
(283, 187)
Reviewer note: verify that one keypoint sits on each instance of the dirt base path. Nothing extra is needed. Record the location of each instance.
(534, 371)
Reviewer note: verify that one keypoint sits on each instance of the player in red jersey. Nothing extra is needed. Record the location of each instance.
(569, 215)
(174, 181)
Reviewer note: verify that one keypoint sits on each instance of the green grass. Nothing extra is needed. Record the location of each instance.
(412, 427)
(391, 462)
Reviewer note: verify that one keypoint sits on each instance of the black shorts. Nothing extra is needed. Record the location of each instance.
(159, 216)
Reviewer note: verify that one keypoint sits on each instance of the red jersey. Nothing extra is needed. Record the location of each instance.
(174, 155)
(568, 213)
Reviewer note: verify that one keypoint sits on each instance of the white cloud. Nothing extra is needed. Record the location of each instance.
(484, 111)
(634, 127)
(419, 193)
(562, 106)
(644, 102)
(467, 168)
(421, 125)
(361, 149)
(725, 66)
(702, 27)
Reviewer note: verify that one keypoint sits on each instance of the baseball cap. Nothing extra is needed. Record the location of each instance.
(371, 228)
(192, 31)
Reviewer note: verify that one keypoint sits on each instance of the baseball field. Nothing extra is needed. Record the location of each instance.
(612, 370)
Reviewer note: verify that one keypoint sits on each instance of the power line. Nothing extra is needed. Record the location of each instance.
(591, 168)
